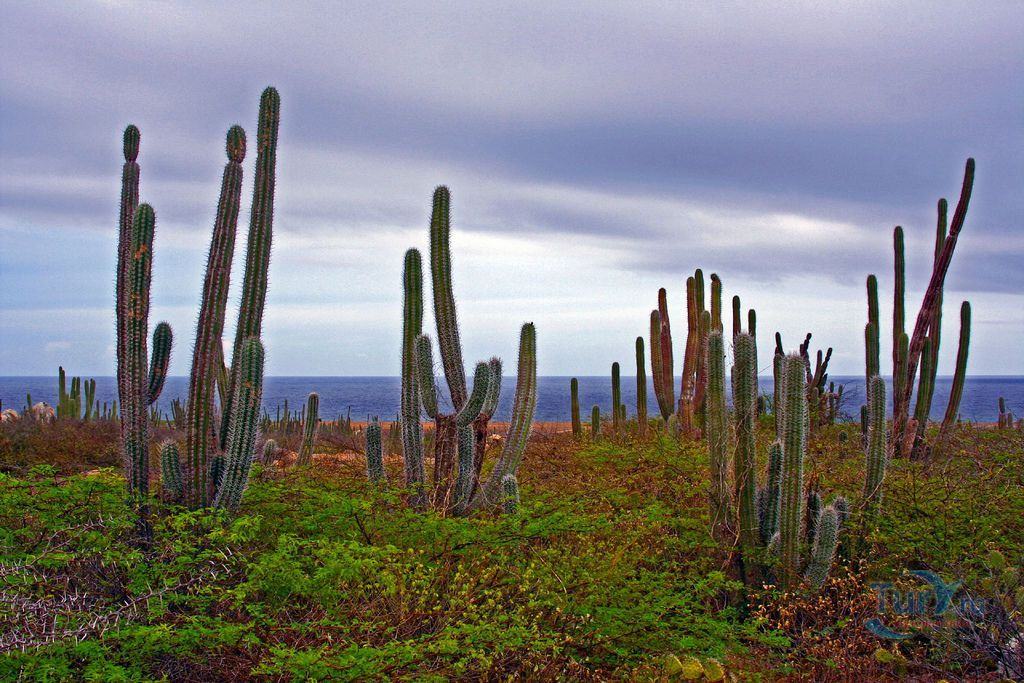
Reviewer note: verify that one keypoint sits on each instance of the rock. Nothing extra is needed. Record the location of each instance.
(9, 415)
(43, 412)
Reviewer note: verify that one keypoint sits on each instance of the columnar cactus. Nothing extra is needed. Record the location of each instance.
(737, 325)
(374, 454)
(523, 406)
(412, 428)
(245, 406)
(574, 400)
(957, 390)
(930, 350)
(269, 451)
(744, 392)
(309, 429)
(661, 357)
(134, 371)
(482, 422)
(871, 334)
(595, 423)
(129, 203)
(876, 457)
(616, 401)
(794, 449)
(641, 391)
(170, 470)
(261, 228)
(163, 340)
(926, 315)
(207, 355)
(899, 357)
(510, 494)
(770, 497)
(718, 438)
(448, 339)
(823, 550)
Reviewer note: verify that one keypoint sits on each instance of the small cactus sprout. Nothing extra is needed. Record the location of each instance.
(374, 453)
(823, 549)
(269, 452)
(574, 399)
(309, 429)
(510, 494)
(170, 470)
(245, 405)
(595, 423)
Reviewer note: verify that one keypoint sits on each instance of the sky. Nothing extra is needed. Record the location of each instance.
(595, 152)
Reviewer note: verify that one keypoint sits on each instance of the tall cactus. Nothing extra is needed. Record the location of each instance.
(523, 407)
(744, 381)
(134, 371)
(595, 423)
(129, 203)
(309, 428)
(899, 352)
(876, 457)
(207, 353)
(927, 313)
(718, 436)
(574, 407)
(245, 406)
(641, 390)
(959, 375)
(448, 340)
(794, 449)
(261, 229)
(616, 400)
(374, 454)
(412, 428)
(871, 334)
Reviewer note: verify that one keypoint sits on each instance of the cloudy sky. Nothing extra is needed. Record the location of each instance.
(595, 151)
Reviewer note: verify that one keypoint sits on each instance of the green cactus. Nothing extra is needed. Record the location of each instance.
(657, 374)
(137, 283)
(716, 303)
(616, 401)
(170, 470)
(641, 391)
(717, 435)
(957, 389)
(163, 339)
(872, 361)
(129, 203)
(737, 316)
(574, 400)
(269, 451)
(91, 411)
(752, 323)
(482, 422)
(744, 392)
(309, 429)
(374, 454)
(778, 368)
(245, 404)
(770, 507)
(823, 551)
(510, 494)
(412, 428)
(448, 341)
(899, 356)
(930, 352)
(876, 458)
(794, 449)
(261, 228)
(523, 406)
(595, 423)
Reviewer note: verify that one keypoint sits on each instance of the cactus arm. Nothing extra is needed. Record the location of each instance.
(876, 456)
(425, 375)
(899, 364)
(245, 404)
(163, 340)
(473, 406)
(737, 316)
(656, 362)
(261, 230)
(412, 428)
(957, 390)
(667, 364)
(716, 303)
(510, 494)
(823, 552)
(595, 423)
(448, 342)
(772, 494)
(745, 410)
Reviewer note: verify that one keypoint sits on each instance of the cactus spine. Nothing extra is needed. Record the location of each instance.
(641, 390)
(374, 454)
(574, 399)
(412, 428)
(717, 435)
(794, 448)
(616, 401)
(309, 429)
(245, 406)
(261, 228)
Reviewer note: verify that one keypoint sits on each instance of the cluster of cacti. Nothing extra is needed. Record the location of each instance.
(920, 349)
(823, 398)
(460, 435)
(218, 450)
(82, 394)
(310, 426)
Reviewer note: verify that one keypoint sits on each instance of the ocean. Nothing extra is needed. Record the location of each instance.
(379, 396)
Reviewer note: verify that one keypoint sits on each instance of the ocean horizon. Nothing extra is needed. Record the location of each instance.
(379, 395)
